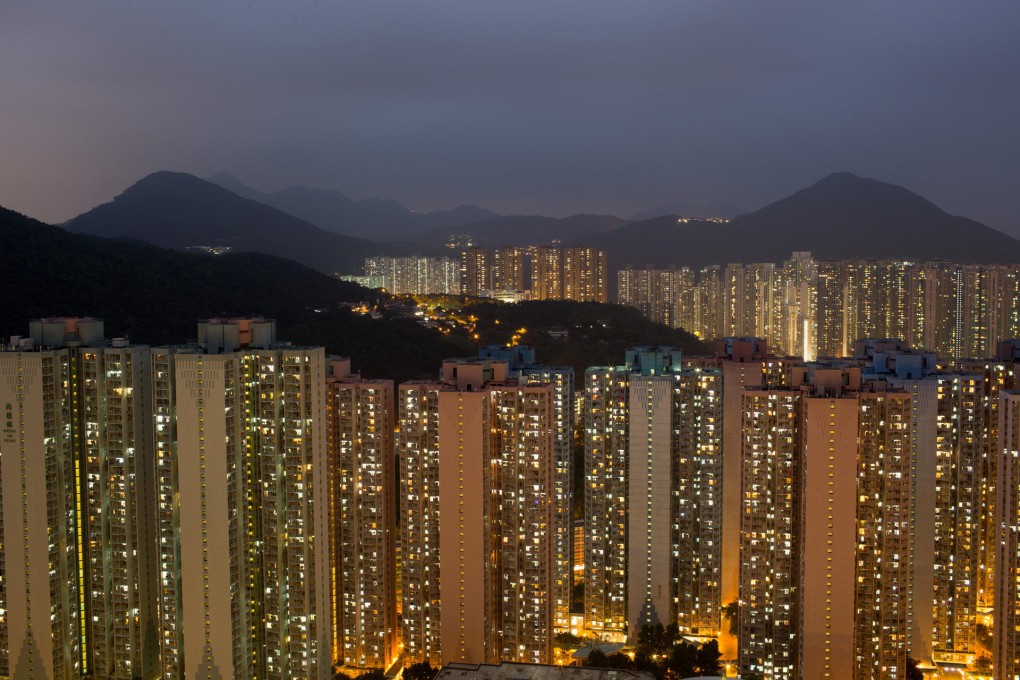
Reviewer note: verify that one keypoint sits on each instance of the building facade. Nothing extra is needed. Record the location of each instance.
(77, 573)
(653, 495)
(825, 540)
(242, 513)
(362, 527)
(477, 518)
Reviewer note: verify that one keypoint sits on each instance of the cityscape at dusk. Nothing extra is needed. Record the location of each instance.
(450, 340)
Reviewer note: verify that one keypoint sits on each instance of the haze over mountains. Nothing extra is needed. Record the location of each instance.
(842, 216)
(723, 209)
(372, 218)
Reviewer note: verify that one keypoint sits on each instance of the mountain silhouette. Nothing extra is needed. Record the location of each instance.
(373, 218)
(155, 295)
(843, 216)
(180, 211)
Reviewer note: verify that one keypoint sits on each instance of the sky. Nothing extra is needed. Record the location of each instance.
(524, 106)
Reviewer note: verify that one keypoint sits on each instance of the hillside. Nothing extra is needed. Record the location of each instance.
(154, 295)
(177, 210)
(523, 230)
(842, 216)
(598, 334)
(373, 218)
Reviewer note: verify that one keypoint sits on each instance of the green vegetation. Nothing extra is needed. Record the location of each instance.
(420, 671)
(982, 666)
(731, 612)
(153, 295)
(664, 653)
(156, 296)
(598, 334)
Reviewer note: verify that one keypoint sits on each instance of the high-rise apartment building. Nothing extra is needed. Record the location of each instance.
(811, 309)
(414, 275)
(585, 274)
(605, 420)
(825, 527)
(76, 577)
(958, 515)
(546, 272)
(522, 366)
(475, 270)
(418, 458)
(362, 525)
(119, 468)
(891, 362)
(242, 486)
(999, 374)
(1006, 632)
(665, 296)
(743, 363)
(653, 495)
(508, 268)
(477, 522)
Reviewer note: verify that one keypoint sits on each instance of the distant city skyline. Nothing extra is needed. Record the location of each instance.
(519, 108)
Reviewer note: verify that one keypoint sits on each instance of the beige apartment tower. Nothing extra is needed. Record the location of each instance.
(825, 541)
(242, 492)
(477, 522)
(742, 363)
(653, 495)
(43, 631)
(75, 526)
(362, 528)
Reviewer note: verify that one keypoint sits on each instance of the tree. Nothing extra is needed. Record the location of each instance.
(982, 665)
(420, 671)
(620, 661)
(984, 636)
(707, 658)
(373, 675)
(597, 659)
(643, 662)
(731, 612)
(913, 672)
(683, 659)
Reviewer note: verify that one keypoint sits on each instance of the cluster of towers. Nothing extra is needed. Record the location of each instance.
(229, 508)
(509, 273)
(554, 273)
(811, 308)
(242, 507)
(820, 519)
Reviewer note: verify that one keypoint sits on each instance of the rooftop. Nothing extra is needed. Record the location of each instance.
(527, 671)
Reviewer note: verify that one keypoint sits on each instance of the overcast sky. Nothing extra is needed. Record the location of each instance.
(521, 106)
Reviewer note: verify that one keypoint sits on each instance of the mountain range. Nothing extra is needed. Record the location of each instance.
(843, 216)
(155, 295)
(372, 218)
(180, 211)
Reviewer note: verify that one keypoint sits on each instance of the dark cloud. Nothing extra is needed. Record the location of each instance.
(524, 106)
